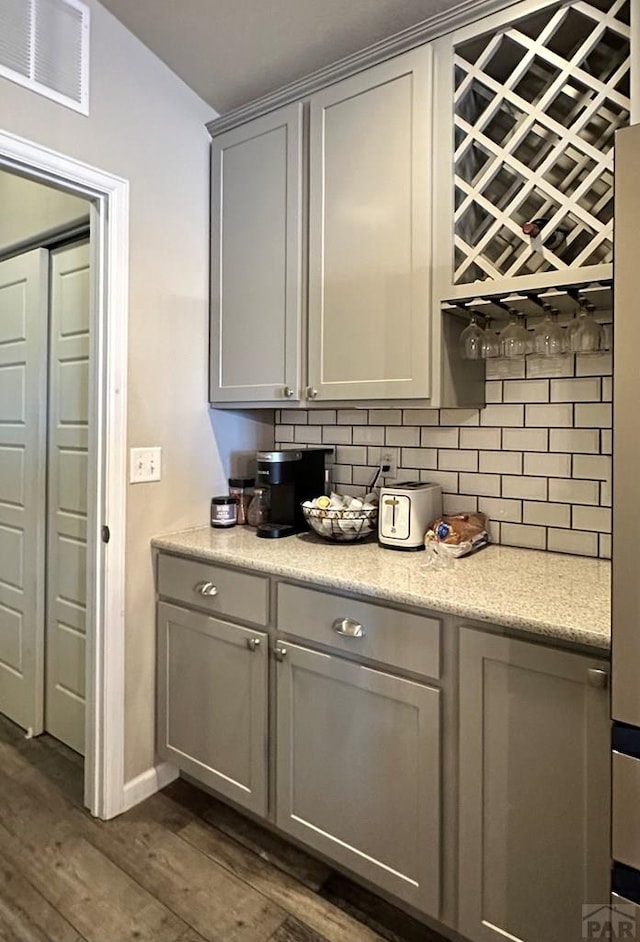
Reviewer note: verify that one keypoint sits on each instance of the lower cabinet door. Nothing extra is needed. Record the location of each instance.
(534, 790)
(358, 770)
(212, 703)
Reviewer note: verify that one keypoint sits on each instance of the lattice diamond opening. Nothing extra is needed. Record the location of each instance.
(537, 105)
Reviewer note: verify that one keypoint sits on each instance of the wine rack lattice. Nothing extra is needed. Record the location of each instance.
(536, 108)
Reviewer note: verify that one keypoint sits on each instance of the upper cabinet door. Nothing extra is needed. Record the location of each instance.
(369, 230)
(256, 263)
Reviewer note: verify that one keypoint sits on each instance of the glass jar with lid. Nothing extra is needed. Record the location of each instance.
(241, 489)
(259, 508)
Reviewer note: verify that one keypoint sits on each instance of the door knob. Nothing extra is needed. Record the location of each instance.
(205, 588)
(288, 392)
(597, 678)
(312, 392)
(279, 653)
(253, 643)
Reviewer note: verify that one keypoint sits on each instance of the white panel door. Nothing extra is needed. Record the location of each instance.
(23, 338)
(67, 495)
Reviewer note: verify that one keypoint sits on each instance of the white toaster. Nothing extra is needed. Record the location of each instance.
(405, 511)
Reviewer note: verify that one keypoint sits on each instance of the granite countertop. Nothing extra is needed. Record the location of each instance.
(552, 594)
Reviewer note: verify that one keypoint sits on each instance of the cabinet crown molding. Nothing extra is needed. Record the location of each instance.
(432, 28)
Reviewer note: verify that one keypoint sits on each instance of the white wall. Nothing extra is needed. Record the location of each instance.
(147, 126)
(29, 210)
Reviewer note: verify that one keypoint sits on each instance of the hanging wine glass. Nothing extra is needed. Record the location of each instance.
(586, 335)
(514, 338)
(470, 342)
(549, 338)
(490, 341)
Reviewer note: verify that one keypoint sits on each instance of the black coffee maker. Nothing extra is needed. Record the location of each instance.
(292, 477)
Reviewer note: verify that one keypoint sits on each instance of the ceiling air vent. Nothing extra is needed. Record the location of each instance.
(44, 45)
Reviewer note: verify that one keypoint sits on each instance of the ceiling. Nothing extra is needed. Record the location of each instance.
(232, 51)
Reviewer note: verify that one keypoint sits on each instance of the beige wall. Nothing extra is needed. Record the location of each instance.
(29, 210)
(147, 126)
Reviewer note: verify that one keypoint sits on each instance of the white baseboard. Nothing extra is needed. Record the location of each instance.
(148, 783)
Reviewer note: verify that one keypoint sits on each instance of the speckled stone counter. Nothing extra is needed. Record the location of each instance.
(563, 597)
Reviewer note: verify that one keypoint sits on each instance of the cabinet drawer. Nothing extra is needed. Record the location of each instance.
(399, 639)
(235, 594)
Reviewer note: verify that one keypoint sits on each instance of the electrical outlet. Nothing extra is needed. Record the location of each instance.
(389, 464)
(145, 464)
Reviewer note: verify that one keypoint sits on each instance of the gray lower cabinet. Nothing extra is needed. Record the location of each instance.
(212, 709)
(534, 789)
(358, 770)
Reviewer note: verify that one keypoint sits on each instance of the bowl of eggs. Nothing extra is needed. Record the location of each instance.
(341, 518)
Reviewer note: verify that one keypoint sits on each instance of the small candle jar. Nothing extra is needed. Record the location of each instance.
(224, 511)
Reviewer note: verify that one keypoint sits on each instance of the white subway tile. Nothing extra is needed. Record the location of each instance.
(552, 416)
(551, 465)
(501, 462)
(575, 390)
(604, 547)
(575, 440)
(605, 494)
(459, 417)
(362, 475)
(459, 504)
(499, 509)
(375, 453)
(409, 436)
(310, 434)
(549, 367)
(546, 515)
(502, 415)
(593, 416)
(596, 467)
(577, 542)
(526, 390)
(420, 416)
(407, 474)
(525, 439)
(353, 490)
(440, 437)
(606, 441)
(457, 460)
(572, 492)
(277, 416)
(336, 435)
(524, 488)
(515, 534)
(489, 438)
(597, 519)
(385, 416)
(600, 365)
(341, 474)
(493, 529)
(322, 416)
(607, 389)
(353, 416)
(448, 480)
(419, 457)
(293, 417)
(346, 454)
(484, 485)
(498, 368)
(283, 433)
(368, 435)
(493, 392)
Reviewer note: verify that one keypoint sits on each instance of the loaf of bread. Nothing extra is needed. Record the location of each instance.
(454, 529)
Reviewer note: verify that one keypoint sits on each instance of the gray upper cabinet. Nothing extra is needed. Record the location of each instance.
(369, 222)
(256, 260)
(534, 789)
(358, 770)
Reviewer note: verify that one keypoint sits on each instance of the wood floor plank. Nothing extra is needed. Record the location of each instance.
(25, 915)
(310, 909)
(294, 931)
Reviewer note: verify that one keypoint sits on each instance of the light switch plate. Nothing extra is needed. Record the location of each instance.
(145, 464)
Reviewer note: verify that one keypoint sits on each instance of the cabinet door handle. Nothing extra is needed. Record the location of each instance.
(348, 628)
(279, 653)
(597, 678)
(312, 392)
(288, 392)
(205, 588)
(253, 643)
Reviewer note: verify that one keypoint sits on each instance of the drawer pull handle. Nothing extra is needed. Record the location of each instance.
(597, 678)
(252, 643)
(280, 653)
(205, 588)
(348, 628)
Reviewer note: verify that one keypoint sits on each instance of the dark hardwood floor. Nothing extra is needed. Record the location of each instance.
(181, 867)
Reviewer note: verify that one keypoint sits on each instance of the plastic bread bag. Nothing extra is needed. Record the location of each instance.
(453, 536)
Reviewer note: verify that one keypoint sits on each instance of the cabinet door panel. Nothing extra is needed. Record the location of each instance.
(256, 297)
(212, 703)
(358, 770)
(534, 790)
(368, 233)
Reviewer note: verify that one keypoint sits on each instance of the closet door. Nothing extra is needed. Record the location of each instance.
(67, 495)
(23, 353)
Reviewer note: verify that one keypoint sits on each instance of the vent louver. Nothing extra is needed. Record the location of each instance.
(44, 45)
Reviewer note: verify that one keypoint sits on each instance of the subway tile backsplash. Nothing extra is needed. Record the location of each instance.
(536, 459)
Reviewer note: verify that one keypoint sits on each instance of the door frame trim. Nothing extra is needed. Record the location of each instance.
(109, 197)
